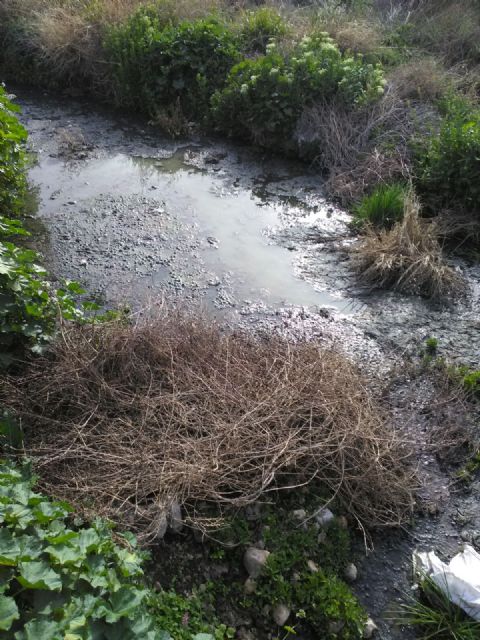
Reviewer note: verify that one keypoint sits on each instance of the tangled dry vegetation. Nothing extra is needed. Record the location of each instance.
(123, 420)
(408, 257)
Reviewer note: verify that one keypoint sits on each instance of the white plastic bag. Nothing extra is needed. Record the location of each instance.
(459, 580)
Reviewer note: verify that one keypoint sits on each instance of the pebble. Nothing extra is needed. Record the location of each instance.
(249, 586)
(299, 514)
(162, 526)
(369, 629)
(351, 572)
(254, 560)
(176, 520)
(312, 566)
(324, 517)
(280, 614)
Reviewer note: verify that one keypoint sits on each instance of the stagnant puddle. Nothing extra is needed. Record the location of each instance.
(133, 226)
(136, 217)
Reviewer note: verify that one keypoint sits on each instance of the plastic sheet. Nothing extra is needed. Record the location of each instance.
(459, 580)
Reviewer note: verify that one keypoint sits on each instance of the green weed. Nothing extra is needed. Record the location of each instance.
(258, 27)
(382, 208)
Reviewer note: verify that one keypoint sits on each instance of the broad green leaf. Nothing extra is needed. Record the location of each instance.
(8, 612)
(42, 630)
(9, 548)
(65, 554)
(39, 575)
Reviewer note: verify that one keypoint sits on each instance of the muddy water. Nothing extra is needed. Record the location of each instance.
(137, 218)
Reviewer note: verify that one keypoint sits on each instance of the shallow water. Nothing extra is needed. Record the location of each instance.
(120, 222)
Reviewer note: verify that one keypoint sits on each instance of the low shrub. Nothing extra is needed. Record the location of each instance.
(263, 98)
(258, 27)
(407, 257)
(448, 167)
(382, 208)
(155, 67)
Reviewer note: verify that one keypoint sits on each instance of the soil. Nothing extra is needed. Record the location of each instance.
(140, 219)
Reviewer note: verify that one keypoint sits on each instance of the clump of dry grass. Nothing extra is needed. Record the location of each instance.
(124, 419)
(407, 257)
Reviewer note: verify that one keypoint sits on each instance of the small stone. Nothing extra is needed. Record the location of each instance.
(254, 560)
(83, 262)
(299, 514)
(280, 614)
(369, 629)
(322, 537)
(162, 526)
(249, 586)
(324, 517)
(335, 626)
(312, 566)
(176, 520)
(466, 536)
(350, 572)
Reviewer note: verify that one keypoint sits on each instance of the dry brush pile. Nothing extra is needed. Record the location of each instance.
(123, 420)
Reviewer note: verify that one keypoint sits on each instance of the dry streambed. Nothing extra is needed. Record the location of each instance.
(137, 218)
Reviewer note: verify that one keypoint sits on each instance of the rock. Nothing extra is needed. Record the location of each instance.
(280, 614)
(342, 522)
(322, 537)
(324, 517)
(176, 520)
(350, 572)
(162, 526)
(249, 586)
(254, 560)
(299, 514)
(245, 634)
(466, 535)
(335, 626)
(369, 629)
(312, 566)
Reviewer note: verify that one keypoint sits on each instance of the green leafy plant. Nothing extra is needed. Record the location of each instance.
(63, 579)
(264, 97)
(12, 157)
(383, 207)
(156, 67)
(61, 582)
(449, 165)
(431, 346)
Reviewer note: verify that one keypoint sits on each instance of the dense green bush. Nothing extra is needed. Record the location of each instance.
(383, 207)
(12, 157)
(264, 97)
(448, 166)
(155, 67)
